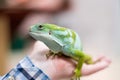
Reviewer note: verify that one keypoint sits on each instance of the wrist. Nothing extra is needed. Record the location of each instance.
(46, 66)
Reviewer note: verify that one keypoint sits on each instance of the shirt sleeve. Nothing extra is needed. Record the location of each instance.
(25, 70)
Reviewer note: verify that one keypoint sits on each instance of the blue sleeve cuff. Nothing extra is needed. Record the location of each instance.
(26, 70)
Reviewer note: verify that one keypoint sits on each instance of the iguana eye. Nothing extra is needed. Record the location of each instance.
(40, 26)
(49, 32)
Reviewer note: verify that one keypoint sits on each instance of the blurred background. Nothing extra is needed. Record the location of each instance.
(96, 21)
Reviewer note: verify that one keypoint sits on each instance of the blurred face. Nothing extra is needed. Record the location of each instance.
(44, 5)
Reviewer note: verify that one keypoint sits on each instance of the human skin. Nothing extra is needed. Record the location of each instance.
(45, 5)
(64, 67)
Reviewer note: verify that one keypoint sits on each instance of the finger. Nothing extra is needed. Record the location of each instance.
(90, 69)
(40, 47)
(39, 51)
(107, 60)
(39, 44)
(98, 58)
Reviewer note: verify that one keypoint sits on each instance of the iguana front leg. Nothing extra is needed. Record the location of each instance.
(48, 55)
(53, 54)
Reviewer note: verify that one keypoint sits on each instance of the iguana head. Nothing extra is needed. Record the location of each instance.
(46, 33)
(45, 28)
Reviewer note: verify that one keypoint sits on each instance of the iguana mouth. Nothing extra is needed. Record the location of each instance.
(34, 32)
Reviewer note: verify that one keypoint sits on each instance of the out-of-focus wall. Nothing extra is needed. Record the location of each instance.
(97, 22)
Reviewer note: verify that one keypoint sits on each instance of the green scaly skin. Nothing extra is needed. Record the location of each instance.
(61, 40)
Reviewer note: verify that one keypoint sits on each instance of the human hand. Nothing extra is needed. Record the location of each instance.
(61, 67)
